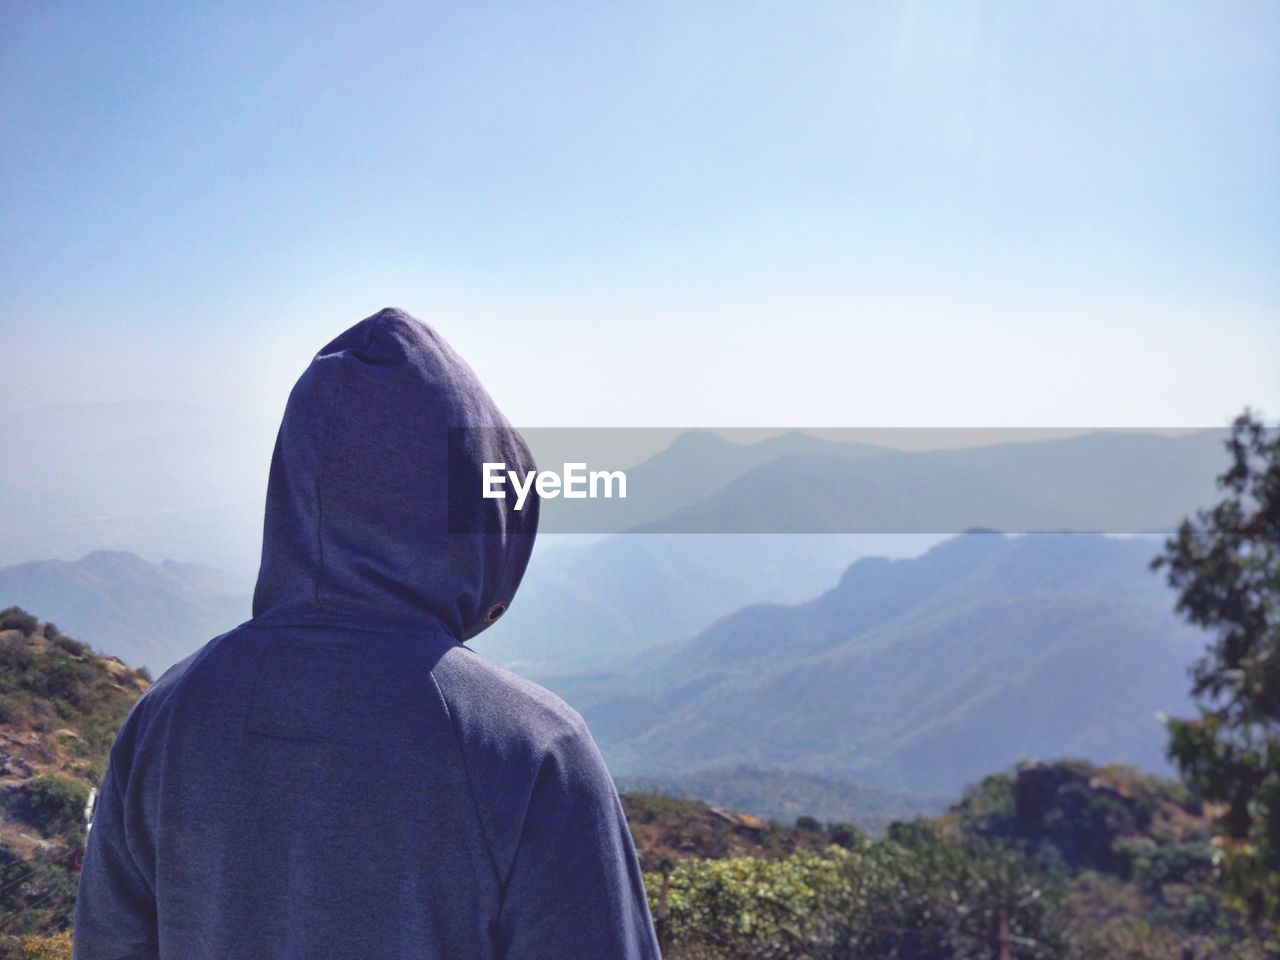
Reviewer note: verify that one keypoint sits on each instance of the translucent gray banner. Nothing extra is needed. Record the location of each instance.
(855, 480)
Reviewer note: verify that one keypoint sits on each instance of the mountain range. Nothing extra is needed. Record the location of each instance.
(779, 651)
(916, 674)
(583, 606)
(784, 795)
(1104, 481)
(150, 614)
(164, 479)
(911, 675)
(586, 606)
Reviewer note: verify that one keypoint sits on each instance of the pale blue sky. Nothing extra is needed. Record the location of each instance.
(786, 213)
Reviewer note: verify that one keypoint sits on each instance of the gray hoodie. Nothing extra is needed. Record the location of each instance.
(339, 776)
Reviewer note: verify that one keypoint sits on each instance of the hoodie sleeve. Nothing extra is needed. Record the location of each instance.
(575, 888)
(115, 915)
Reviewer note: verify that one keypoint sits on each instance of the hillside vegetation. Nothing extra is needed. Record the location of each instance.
(1052, 860)
(60, 707)
(1059, 860)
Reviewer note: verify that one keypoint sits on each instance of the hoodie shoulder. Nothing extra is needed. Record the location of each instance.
(154, 707)
(508, 729)
(502, 694)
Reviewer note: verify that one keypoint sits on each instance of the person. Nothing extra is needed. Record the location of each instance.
(340, 776)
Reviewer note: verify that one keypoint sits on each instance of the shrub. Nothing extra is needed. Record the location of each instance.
(1157, 865)
(63, 642)
(844, 835)
(747, 907)
(15, 618)
(15, 711)
(54, 947)
(919, 896)
(55, 804)
(17, 660)
(37, 896)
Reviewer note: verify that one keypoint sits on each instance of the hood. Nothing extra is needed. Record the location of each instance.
(374, 507)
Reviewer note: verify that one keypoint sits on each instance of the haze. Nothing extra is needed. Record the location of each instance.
(765, 214)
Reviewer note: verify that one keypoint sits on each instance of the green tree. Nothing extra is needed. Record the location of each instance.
(1225, 563)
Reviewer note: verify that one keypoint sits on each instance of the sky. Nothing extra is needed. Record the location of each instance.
(796, 213)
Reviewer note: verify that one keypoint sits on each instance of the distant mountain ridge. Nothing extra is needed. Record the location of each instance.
(695, 465)
(175, 480)
(143, 612)
(162, 479)
(916, 674)
(784, 795)
(591, 606)
(1105, 482)
(153, 477)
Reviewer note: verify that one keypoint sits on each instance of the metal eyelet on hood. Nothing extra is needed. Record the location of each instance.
(497, 610)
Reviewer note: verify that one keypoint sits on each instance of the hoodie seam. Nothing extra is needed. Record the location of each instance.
(324, 459)
(471, 788)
